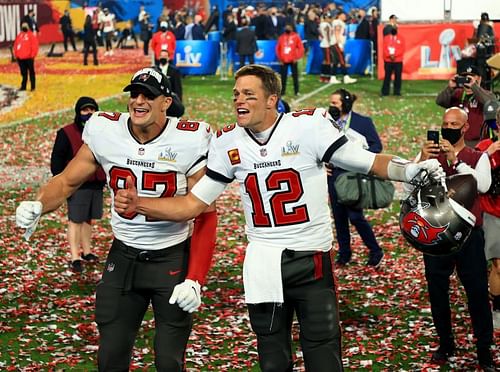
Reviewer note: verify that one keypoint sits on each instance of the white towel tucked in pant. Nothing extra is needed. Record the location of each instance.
(262, 273)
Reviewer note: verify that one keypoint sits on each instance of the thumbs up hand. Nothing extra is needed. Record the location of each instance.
(125, 201)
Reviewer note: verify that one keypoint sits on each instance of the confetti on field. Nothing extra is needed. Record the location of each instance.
(47, 312)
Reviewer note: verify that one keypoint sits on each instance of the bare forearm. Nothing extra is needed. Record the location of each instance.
(178, 209)
(379, 167)
(54, 193)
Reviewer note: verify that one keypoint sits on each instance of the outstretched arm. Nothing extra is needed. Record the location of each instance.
(386, 166)
(56, 191)
(62, 186)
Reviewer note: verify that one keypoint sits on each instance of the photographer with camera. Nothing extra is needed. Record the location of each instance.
(464, 90)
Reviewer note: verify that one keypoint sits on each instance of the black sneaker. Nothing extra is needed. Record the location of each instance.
(90, 257)
(375, 259)
(441, 355)
(76, 266)
(485, 360)
(342, 260)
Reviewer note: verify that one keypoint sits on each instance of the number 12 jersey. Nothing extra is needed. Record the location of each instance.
(282, 182)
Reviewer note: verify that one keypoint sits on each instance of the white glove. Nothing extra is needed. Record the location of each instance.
(27, 216)
(432, 166)
(187, 295)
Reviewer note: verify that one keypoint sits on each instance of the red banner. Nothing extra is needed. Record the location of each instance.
(432, 50)
(13, 11)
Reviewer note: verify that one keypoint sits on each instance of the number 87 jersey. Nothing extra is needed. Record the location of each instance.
(159, 168)
(282, 181)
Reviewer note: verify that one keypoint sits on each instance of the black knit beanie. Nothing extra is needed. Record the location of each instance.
(81, 104)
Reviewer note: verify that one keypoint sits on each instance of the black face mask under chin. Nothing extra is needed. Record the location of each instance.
(334, 112)
(451, 135)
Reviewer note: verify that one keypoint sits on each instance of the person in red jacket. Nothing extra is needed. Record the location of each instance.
(289, 50)
(490, 204)
(163, 39)
(393, 51)
(25, 51)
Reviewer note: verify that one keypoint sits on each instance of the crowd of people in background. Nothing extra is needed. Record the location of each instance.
(193, 23)
(242, 25)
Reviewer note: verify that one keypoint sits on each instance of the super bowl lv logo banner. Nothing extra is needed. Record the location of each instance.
(432, 50)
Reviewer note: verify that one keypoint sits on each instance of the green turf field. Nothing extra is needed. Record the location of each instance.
(46, 312)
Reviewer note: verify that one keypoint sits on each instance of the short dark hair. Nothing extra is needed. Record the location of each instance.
(346, 98)
(270, 79)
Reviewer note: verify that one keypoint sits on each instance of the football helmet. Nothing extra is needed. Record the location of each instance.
(432, 221)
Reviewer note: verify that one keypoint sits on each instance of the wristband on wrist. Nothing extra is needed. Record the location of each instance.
(396, 169)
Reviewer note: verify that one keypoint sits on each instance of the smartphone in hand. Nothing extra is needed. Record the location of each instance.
(433, 135)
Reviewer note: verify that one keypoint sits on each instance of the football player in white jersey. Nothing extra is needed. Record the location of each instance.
(150, 261)
(278, 161)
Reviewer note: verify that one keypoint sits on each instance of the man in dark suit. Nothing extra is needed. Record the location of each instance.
(359, 129)
(277, 23)
(263, 24)
(198, 30)
(173, 74)
(246, 43)
(363, 29)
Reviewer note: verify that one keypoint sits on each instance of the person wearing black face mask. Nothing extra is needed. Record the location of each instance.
(86, 204)
(361, 129)
(173, 74)
(393, 49)
(163, 39)
(470, 262)
(289, 50)
(25, 50)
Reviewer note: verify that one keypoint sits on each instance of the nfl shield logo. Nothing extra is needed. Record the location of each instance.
(141, 151)
(263, 152)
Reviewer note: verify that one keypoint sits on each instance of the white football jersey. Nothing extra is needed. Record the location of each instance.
(282, 182)
(158, 167)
